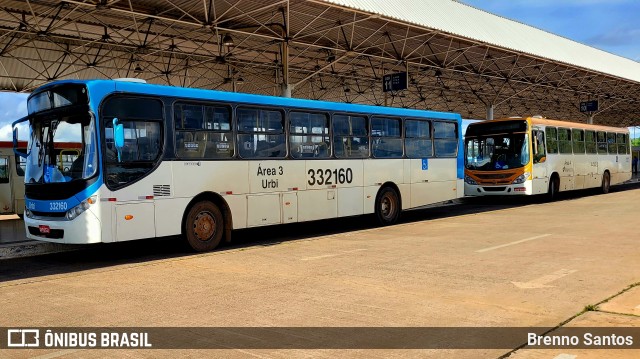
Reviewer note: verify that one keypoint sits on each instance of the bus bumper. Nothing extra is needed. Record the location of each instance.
(83, 229)
(499, 190)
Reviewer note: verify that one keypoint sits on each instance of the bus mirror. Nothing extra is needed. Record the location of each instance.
(15, 137)
(542, 159)
(118, 136)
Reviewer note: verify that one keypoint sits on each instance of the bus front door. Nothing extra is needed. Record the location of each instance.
(539, 171)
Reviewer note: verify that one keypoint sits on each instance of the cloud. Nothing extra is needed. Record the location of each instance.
(616, 37)
(12, 107)
(5, 132)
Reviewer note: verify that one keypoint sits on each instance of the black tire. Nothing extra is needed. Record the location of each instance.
(554, 188)
(203, 226)
(606, 182)
(387, 206)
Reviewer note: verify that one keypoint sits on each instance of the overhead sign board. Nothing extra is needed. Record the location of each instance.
(589, 106)
(394, 82)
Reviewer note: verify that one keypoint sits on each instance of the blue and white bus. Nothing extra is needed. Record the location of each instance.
(162, 161)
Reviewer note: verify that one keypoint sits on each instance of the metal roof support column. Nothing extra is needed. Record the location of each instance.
(590, 119)
(490, 111)
(286, 86)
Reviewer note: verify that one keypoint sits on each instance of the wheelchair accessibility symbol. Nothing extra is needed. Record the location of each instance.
(425, 164)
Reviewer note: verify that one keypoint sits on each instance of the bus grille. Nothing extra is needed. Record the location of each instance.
(54, 233)
(494, 189)
(494, 176)
(161, 190)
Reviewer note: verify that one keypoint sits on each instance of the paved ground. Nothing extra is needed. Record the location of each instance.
(515, 263)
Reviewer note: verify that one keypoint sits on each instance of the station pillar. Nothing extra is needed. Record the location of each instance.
(286, 90)
(490, 112)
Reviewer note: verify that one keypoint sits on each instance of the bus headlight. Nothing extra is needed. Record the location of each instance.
(523, 177)
(469, 180)
(27, 213)
(83, 206)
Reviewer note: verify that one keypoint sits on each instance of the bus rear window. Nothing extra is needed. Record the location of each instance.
(445, 135)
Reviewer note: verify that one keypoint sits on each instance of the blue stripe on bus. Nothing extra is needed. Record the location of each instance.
(45, 205)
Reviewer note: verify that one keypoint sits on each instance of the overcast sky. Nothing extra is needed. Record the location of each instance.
(610, 25)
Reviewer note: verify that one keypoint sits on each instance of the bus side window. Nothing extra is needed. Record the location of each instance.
(539, 153)
(552, 139)
(350, 136)
(21, 162)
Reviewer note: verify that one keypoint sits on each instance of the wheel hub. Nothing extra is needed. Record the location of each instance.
(204, 226)
(386, 206)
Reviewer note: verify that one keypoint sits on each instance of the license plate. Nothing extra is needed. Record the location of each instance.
(44, 229)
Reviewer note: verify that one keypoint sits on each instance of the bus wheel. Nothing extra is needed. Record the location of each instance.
(606, 182)
(204, 226)
(554, 187)
(387, 206)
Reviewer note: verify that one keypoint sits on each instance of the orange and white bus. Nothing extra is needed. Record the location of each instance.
(12, 170)
(11, 179)
(525, 156)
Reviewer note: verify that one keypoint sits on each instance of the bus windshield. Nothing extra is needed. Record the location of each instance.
(497, 152)
(45, 164)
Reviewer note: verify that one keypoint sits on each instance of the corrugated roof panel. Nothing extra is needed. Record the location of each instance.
(466, 21)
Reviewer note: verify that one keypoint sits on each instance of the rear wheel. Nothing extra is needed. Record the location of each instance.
(387, 206)
(554, 188)
(606, 182)
(204, 226)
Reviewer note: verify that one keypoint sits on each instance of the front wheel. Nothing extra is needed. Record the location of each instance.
(204, 226)
(606, 182)
(387, 206)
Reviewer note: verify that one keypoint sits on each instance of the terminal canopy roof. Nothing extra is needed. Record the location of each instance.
(457, 58)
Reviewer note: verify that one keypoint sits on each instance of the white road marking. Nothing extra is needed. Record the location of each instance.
(332, 255)
(544, 280)
(565, 356)
(513, 243)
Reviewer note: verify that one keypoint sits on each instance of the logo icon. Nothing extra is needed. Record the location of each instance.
(23, 338)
